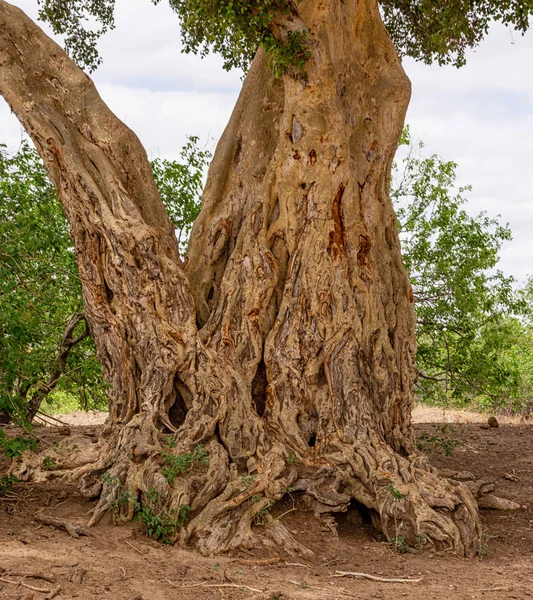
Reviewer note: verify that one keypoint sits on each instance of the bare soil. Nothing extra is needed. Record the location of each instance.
(122, 563)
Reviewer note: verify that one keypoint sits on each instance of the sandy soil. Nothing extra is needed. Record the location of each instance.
(421, 414)
(121, 563)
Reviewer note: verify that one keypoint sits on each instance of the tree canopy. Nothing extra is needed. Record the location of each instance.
(426, 30)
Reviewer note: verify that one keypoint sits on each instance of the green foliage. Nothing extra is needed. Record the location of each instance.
(395, 494)
(6, 483)
(180, 186)
(81, 22)
(39, 290)
(432, 30)
(235, 28)
(177, 464)
(400, 544)
(248, 481)
(467, 311)
(485, 537)
(15, 446)
(426, 30)
(49, 462)
(158, 522)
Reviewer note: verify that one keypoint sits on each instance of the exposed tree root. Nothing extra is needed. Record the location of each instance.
(229, 509)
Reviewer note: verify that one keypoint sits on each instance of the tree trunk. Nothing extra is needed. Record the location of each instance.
(284, 343)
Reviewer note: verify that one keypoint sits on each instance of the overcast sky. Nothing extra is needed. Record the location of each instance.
(481, 116)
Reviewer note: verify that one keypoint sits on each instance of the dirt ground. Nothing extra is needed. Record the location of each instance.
(121, 563)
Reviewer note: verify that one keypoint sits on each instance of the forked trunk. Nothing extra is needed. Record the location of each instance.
(284, 343)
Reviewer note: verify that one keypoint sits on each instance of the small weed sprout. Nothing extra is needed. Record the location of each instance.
(126, 500)
(260, 516)
(484, 538)
(49, 462)
(158, 522)
(248, 481)
(398, 541)
(291, 460)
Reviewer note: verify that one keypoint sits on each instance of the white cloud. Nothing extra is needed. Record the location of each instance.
(481, 116)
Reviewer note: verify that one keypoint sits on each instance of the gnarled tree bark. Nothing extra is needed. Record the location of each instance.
(284, 342)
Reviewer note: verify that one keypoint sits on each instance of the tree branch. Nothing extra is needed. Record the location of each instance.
(65, 347)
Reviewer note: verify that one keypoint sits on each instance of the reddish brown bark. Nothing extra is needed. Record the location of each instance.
(284, 344)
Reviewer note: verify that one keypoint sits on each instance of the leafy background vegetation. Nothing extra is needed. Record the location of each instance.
(426, 30)
(40, 291)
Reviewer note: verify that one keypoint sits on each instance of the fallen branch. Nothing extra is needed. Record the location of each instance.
(33, 575)
(215, 585)
(73, 530)
(375, 577)
(256, 562)
(26, 585)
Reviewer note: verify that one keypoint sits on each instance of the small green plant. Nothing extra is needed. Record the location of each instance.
(398, 541)
(484, 538)
(158, 522)
(291, 460)
(175, 465)
(260, 516)
(49, 462)
(6, 483)
(445, 439)
(400, 545)
(15, 446)
(395, 493)
(125, 499)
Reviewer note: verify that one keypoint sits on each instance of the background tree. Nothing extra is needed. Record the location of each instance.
(289, 331)
(45, 344)
(466, 309)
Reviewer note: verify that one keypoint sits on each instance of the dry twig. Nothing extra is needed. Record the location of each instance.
(136, 549)
(375, 577)
(256, 562)
(306, 586)
(26, 585)
(32, 574)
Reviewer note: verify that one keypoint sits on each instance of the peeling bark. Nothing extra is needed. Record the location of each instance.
(284, 343)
